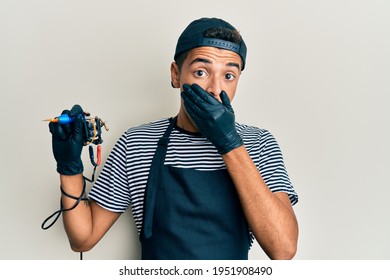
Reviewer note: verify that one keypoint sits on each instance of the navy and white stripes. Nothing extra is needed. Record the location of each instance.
(123, 179)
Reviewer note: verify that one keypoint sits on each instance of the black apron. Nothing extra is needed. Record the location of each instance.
(190, 214)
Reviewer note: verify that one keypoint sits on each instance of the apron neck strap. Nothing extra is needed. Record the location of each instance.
(164, 140)
(154, 176)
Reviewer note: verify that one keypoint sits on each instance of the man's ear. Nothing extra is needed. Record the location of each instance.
(175, 83)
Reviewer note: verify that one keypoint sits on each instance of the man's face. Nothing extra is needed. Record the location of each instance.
(213, 69)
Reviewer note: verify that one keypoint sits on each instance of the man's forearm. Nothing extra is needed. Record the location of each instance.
(270, 216)
(77, 222)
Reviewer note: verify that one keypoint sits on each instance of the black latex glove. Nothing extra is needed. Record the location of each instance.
(67, 142)
(214, 119)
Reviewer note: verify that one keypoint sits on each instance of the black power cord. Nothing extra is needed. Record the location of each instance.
(58, 213)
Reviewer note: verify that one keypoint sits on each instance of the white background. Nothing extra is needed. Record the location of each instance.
(317, 77)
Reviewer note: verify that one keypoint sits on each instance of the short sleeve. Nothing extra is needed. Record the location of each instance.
(272, 168)
(111, 189)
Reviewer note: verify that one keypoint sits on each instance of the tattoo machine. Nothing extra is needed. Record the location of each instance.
(93, 132)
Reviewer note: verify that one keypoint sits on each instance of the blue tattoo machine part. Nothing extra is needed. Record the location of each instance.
(62, 119)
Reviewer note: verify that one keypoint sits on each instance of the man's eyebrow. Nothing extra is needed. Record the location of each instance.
(204, 60)
(200, 60)
(233, 64)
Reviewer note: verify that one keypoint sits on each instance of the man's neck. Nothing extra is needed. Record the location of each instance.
(184, 122)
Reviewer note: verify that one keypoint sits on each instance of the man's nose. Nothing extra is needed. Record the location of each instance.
(214, 87)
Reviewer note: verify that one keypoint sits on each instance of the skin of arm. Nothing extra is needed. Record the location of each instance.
(88, 222)
(269, 215)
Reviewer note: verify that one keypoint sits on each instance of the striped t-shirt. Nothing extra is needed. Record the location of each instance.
(124, 176)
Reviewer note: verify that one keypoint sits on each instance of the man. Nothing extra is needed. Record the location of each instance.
(201, 186)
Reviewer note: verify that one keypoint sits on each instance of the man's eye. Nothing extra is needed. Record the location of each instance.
(199, 73)
(229, 76)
